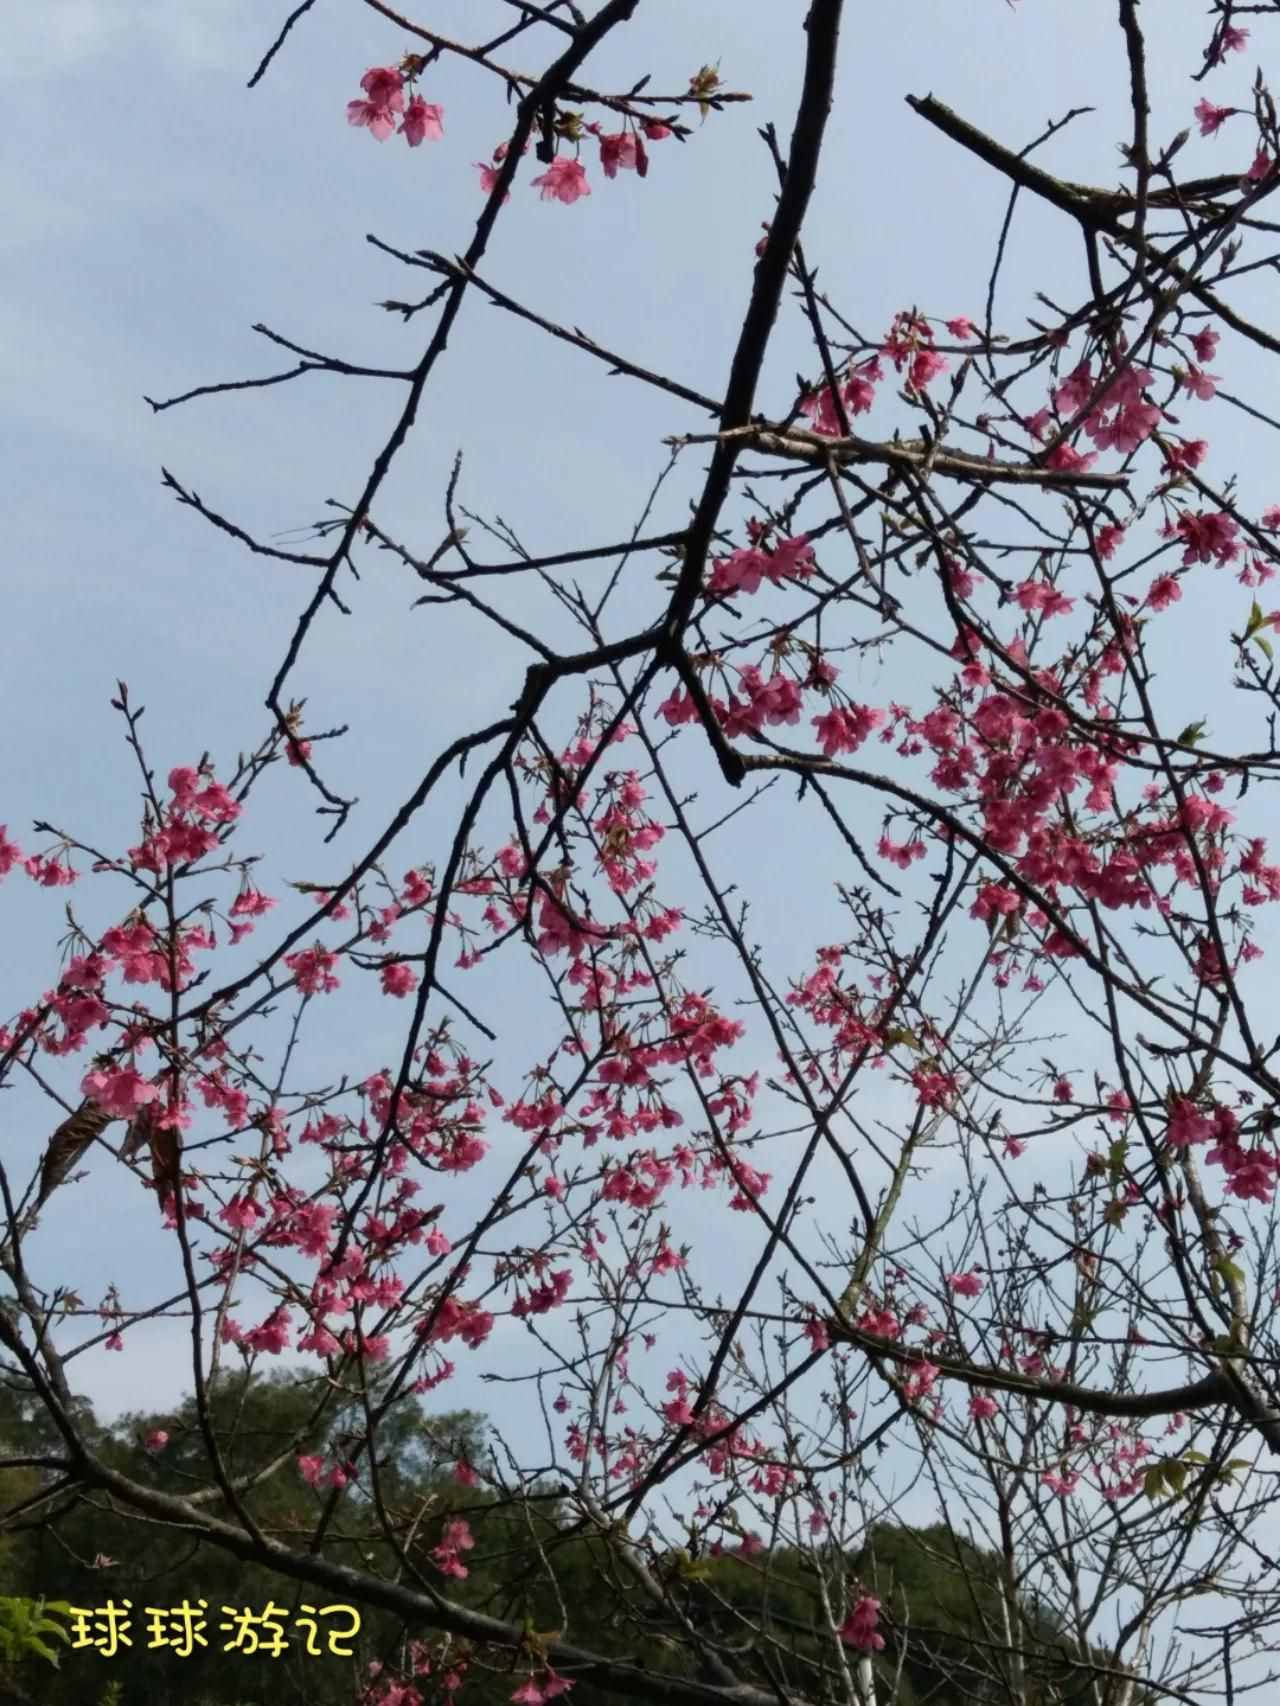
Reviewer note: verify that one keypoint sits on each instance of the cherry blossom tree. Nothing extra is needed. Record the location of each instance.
(807, 1098)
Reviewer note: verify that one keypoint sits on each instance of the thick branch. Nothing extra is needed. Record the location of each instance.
(799, 445)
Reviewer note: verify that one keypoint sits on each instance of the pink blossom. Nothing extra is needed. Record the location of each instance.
(183, 782)
(1067, 460)
(457, 1537)
(10, 852)
(1061, 1484)
(818, 1336)
(678, 708)
(120, 1090)
(1124, 431)
(422, 120)
(1208, 537)
(272, 1335)
(398, 979)
(398, 1693)
(564, 180)
(742, 571)
(901, 853)
(311, 1469)
(51, 872)
(1233, 40)
(1200, 383)
(961, 327)
(1075, 390)
(1211, 118)
(881, 1321)
(965, 1285)
(792, 559)
(489, 178)
(250, 903)
(982, 1406)
(926, 365)
(859, 1628)
(216, 802)
(618, 151)
(921, 1381)
(859, 389)
(844, 728)
(155, 1441)
(384, 89)
(1042, 597)
(1186, 453)
(1163, 592)
(820, 407)
(995, 901)
(241, 1213)
(961, 581)
(312, 969)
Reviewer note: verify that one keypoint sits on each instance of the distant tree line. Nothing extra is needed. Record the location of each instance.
(947, 1642)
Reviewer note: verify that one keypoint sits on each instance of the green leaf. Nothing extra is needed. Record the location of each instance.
(47, 1626)
(1228, 1471)
(35, 1645)
(23, 1625)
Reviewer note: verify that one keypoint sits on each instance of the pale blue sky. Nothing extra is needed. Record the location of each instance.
(159, 209)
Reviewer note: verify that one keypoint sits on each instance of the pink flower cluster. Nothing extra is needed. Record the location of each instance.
(121, 1091)
(860, 1628)
(317, 1473)
(909, 344)
(565, 180)
(456, 1539)
(384, 102)
(1121, 418)
(548, 1686)
(744, 570)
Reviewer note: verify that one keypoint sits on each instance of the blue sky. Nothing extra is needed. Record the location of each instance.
(157, 209)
